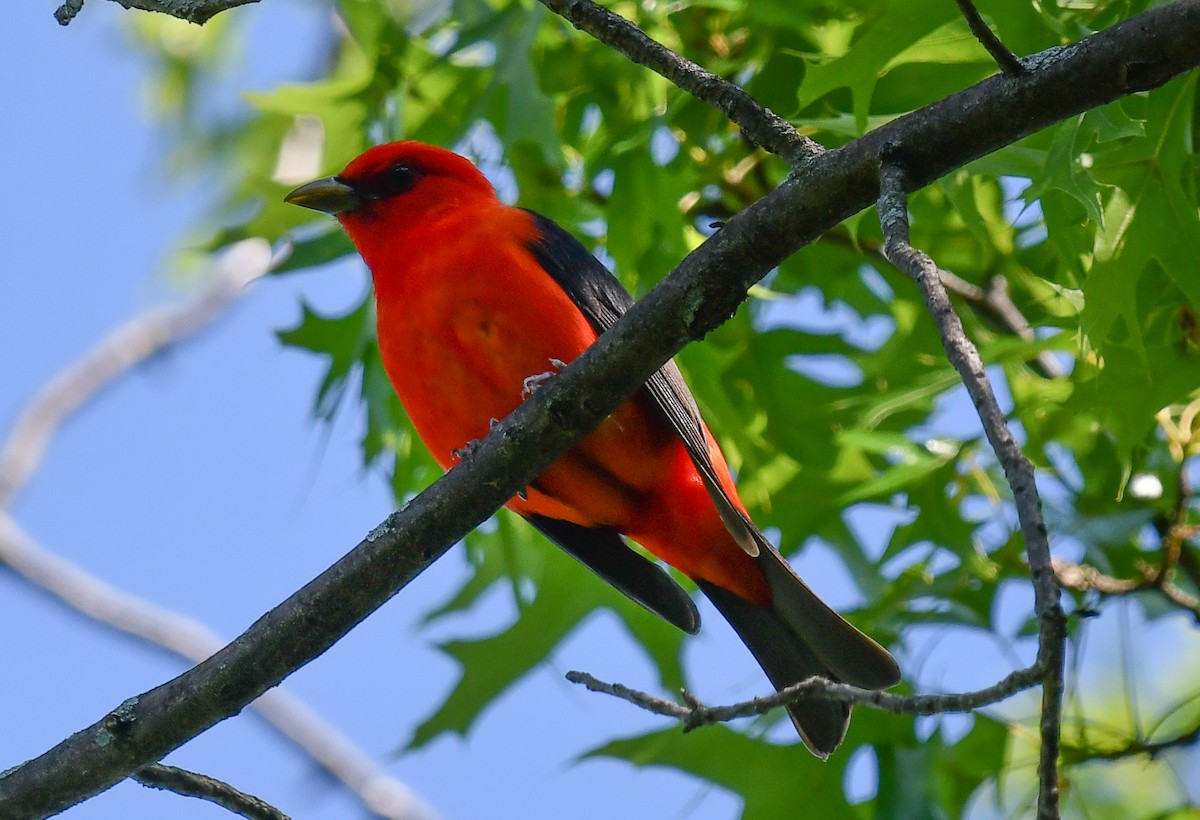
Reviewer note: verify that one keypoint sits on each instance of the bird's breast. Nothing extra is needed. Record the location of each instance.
(461, 331)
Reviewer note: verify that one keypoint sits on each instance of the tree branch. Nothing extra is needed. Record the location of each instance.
(704, 290)
(190, 640)
(1009, 63)
(1151, 748)
(1173, 530)
(193, 11)
(992, 302)
(893, 215)
(759, 124)
(191, 784)
(121, 350)
(693, 714)
(116, 355)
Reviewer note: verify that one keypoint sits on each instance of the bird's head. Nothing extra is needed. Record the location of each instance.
(393, 188)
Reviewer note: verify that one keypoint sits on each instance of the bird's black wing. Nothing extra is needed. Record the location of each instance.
(604, 552)
(603, 300)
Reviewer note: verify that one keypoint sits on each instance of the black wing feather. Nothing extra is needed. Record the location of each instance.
(603, 300)
(798, 635)
(604, 552)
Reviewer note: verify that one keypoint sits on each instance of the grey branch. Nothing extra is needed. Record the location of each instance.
(993, 302)
(126, 347)
(692, 713)
(1150, 748)
(191, 784)
(703, 290)
(193, 11)
(1083, 578)
(761, 126)
(1009, 63)
(185, 638)
(893, 215)
(114, 356)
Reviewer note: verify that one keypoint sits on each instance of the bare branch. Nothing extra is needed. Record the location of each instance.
(1150, 748)
(1173, 530)
(893, 215)
(759, 124)
(191, 784)
(193, 11)
(1142, 52)
(115, 356)
(65, 13)
(190, 640)
(1083, 578)
(992, 302)
(692, 713)
(1009, 63)
(126, 347)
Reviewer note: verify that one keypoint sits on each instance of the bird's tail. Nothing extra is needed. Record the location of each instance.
(798, 637)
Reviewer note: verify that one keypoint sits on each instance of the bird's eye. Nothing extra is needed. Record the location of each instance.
(396, 179)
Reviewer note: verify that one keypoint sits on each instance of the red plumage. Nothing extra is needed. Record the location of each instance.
(474, 297)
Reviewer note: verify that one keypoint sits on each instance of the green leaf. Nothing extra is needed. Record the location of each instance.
(312, 251)
(566, 594)
(747, 767)
(859, 69)
(342, 339)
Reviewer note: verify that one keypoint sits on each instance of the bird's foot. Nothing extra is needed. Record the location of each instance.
(468, 449)
(532, 383)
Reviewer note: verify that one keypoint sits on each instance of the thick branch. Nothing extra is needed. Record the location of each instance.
(893, 214)
(194, 11)
(704, 290)
(190, 640)
(760, 125)
(191, 784)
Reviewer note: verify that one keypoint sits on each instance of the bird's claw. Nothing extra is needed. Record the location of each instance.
(468, 449)
(532, 383)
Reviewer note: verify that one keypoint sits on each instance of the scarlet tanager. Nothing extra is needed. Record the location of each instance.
(474, 297)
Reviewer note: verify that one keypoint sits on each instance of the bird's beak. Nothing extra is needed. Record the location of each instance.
(329, 195)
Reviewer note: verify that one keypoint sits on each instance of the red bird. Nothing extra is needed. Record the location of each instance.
(473, 298)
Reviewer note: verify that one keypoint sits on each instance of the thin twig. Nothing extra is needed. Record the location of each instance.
(993, 302)
(692, 713)
(1151, 748)
(893, 215)
(1084, 578)
(758, 123)
(192, 784)
(1173, 531)
(1009, 63)
(117, 355)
